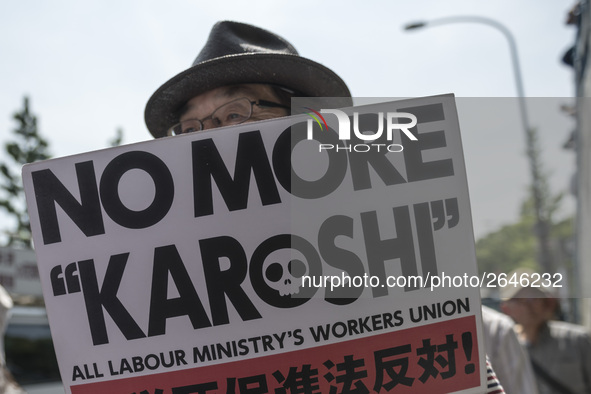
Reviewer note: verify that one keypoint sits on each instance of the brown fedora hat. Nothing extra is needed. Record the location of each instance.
(238, 53)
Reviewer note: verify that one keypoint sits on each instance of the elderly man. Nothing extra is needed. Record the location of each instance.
(560, 352)
(243, 73)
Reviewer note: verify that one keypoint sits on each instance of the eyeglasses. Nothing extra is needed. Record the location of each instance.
(232, 113)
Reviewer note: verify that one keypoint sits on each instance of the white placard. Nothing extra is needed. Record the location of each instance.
(175, 265)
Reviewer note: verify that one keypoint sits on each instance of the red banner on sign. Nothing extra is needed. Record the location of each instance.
(436, 358)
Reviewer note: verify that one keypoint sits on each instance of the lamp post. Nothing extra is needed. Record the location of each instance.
(538, 186)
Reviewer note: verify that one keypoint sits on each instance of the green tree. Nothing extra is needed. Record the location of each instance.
(515, 245)
(27, 146)
(118, 139)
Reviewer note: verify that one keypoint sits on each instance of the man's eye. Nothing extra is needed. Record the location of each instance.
(234, 116)
(190, 126)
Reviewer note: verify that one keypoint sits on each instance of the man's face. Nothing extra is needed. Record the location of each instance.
(524, 311)
(202, 106)
(530, 312)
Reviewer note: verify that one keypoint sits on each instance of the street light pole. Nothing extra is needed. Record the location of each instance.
(538, 191)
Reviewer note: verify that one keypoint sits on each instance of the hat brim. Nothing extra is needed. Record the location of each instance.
(302, 75)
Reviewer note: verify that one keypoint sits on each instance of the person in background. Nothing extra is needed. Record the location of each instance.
(7, 383)
(560, 352)
(512, 365)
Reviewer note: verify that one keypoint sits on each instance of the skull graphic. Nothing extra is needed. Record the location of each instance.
(284, 277)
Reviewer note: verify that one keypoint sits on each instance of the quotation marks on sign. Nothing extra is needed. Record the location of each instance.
(445, 211)
(65, 282)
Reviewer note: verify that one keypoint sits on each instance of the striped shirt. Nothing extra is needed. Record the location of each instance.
(493, 384)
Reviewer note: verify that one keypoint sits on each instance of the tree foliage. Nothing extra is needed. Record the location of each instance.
(536, 240)
(27, 146)
(515, 245)
(117, 139)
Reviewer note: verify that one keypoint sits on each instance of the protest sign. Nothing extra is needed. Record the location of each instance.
(283, 256)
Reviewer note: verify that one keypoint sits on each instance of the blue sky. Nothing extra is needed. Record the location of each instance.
(89, 67)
